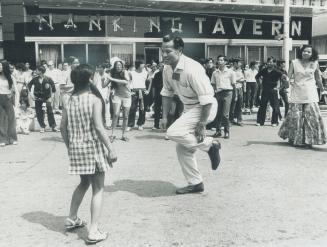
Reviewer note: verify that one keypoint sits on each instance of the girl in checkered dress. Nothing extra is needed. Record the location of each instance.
(89, 148)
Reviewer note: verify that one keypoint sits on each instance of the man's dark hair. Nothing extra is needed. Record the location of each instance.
(223, 56)
(209, 59)
(178, 41)
(271, 59)
(71, 59)
(41, 68)
(252, 63)
(43, 62)
(280, 62)
(314, 56)
(138, 63)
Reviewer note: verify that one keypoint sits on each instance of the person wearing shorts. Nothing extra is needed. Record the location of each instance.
(122, 97)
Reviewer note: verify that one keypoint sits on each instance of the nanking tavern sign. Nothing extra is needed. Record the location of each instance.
(190, 26)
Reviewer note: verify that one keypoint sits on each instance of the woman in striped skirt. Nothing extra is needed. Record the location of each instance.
(89, 148)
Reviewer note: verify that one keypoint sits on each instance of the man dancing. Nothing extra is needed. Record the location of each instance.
(187, 78)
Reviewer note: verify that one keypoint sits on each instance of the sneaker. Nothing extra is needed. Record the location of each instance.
(166, 138)
(258, 124)
(155, 128)
(226, 136)
(140, 127)
(55, 129)
(42, 130)
(274, 125)
(128, 129)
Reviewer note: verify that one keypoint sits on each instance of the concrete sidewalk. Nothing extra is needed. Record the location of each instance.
(265, 193)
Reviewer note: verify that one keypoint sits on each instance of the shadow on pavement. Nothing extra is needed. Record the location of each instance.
(249, 143)
(143, 188)
(53, 223)
(159, 137)
(52, 139)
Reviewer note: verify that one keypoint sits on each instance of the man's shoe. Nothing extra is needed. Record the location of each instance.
(226, 136)
(55, 129)
(217, 134)
(128, 129)
(197, 188)
(214, 155)
(239, 124)
(42, 130)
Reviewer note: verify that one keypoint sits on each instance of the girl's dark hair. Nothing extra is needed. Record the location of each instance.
(114, 71)
(6, 72)
(23, 98)
(80, 77)
(314, 56)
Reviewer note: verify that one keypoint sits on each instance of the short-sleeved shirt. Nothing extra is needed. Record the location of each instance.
(250, 75)
(189, 81)
(270, 79)
(239, 77)
(223, 80)
(139, 79)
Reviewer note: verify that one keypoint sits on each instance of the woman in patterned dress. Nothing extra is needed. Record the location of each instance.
(303, 125)
(89, 148)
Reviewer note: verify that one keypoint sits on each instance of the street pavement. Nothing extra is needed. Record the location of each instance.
(265, 193)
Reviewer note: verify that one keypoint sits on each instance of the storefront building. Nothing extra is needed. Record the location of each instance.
(95, 32)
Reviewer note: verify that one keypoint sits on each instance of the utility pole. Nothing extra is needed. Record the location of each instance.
(286, 38)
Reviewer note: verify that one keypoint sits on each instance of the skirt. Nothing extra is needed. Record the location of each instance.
(303, 125)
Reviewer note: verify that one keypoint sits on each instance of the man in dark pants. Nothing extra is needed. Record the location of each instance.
(139, 78)
(223, 81)
(235, 114)
(284, 85)
(270, 77)
(157, 85)
(44, 88)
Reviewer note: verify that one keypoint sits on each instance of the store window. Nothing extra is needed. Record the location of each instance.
(1, 53)
(75, 50)
(50, 52)
(255, 53)
(275, 52)
(293, 52)
(152, 54)
(214, 50)
(1, 33)
(235, 51)
(98, 54)
(122, 51)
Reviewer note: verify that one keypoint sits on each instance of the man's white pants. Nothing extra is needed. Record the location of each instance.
(182, 132)
(56, 98)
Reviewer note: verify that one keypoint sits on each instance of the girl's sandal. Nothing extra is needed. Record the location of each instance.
(72, 224)
(112, 138)
(96, 237)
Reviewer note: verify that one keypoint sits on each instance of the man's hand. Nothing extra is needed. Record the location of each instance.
(164, 123)
(200, 131)
(112, 157)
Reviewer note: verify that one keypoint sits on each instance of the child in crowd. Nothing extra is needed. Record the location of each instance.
(89, 148)
(24, 114)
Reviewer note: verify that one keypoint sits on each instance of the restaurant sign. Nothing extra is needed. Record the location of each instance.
(190, 26)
